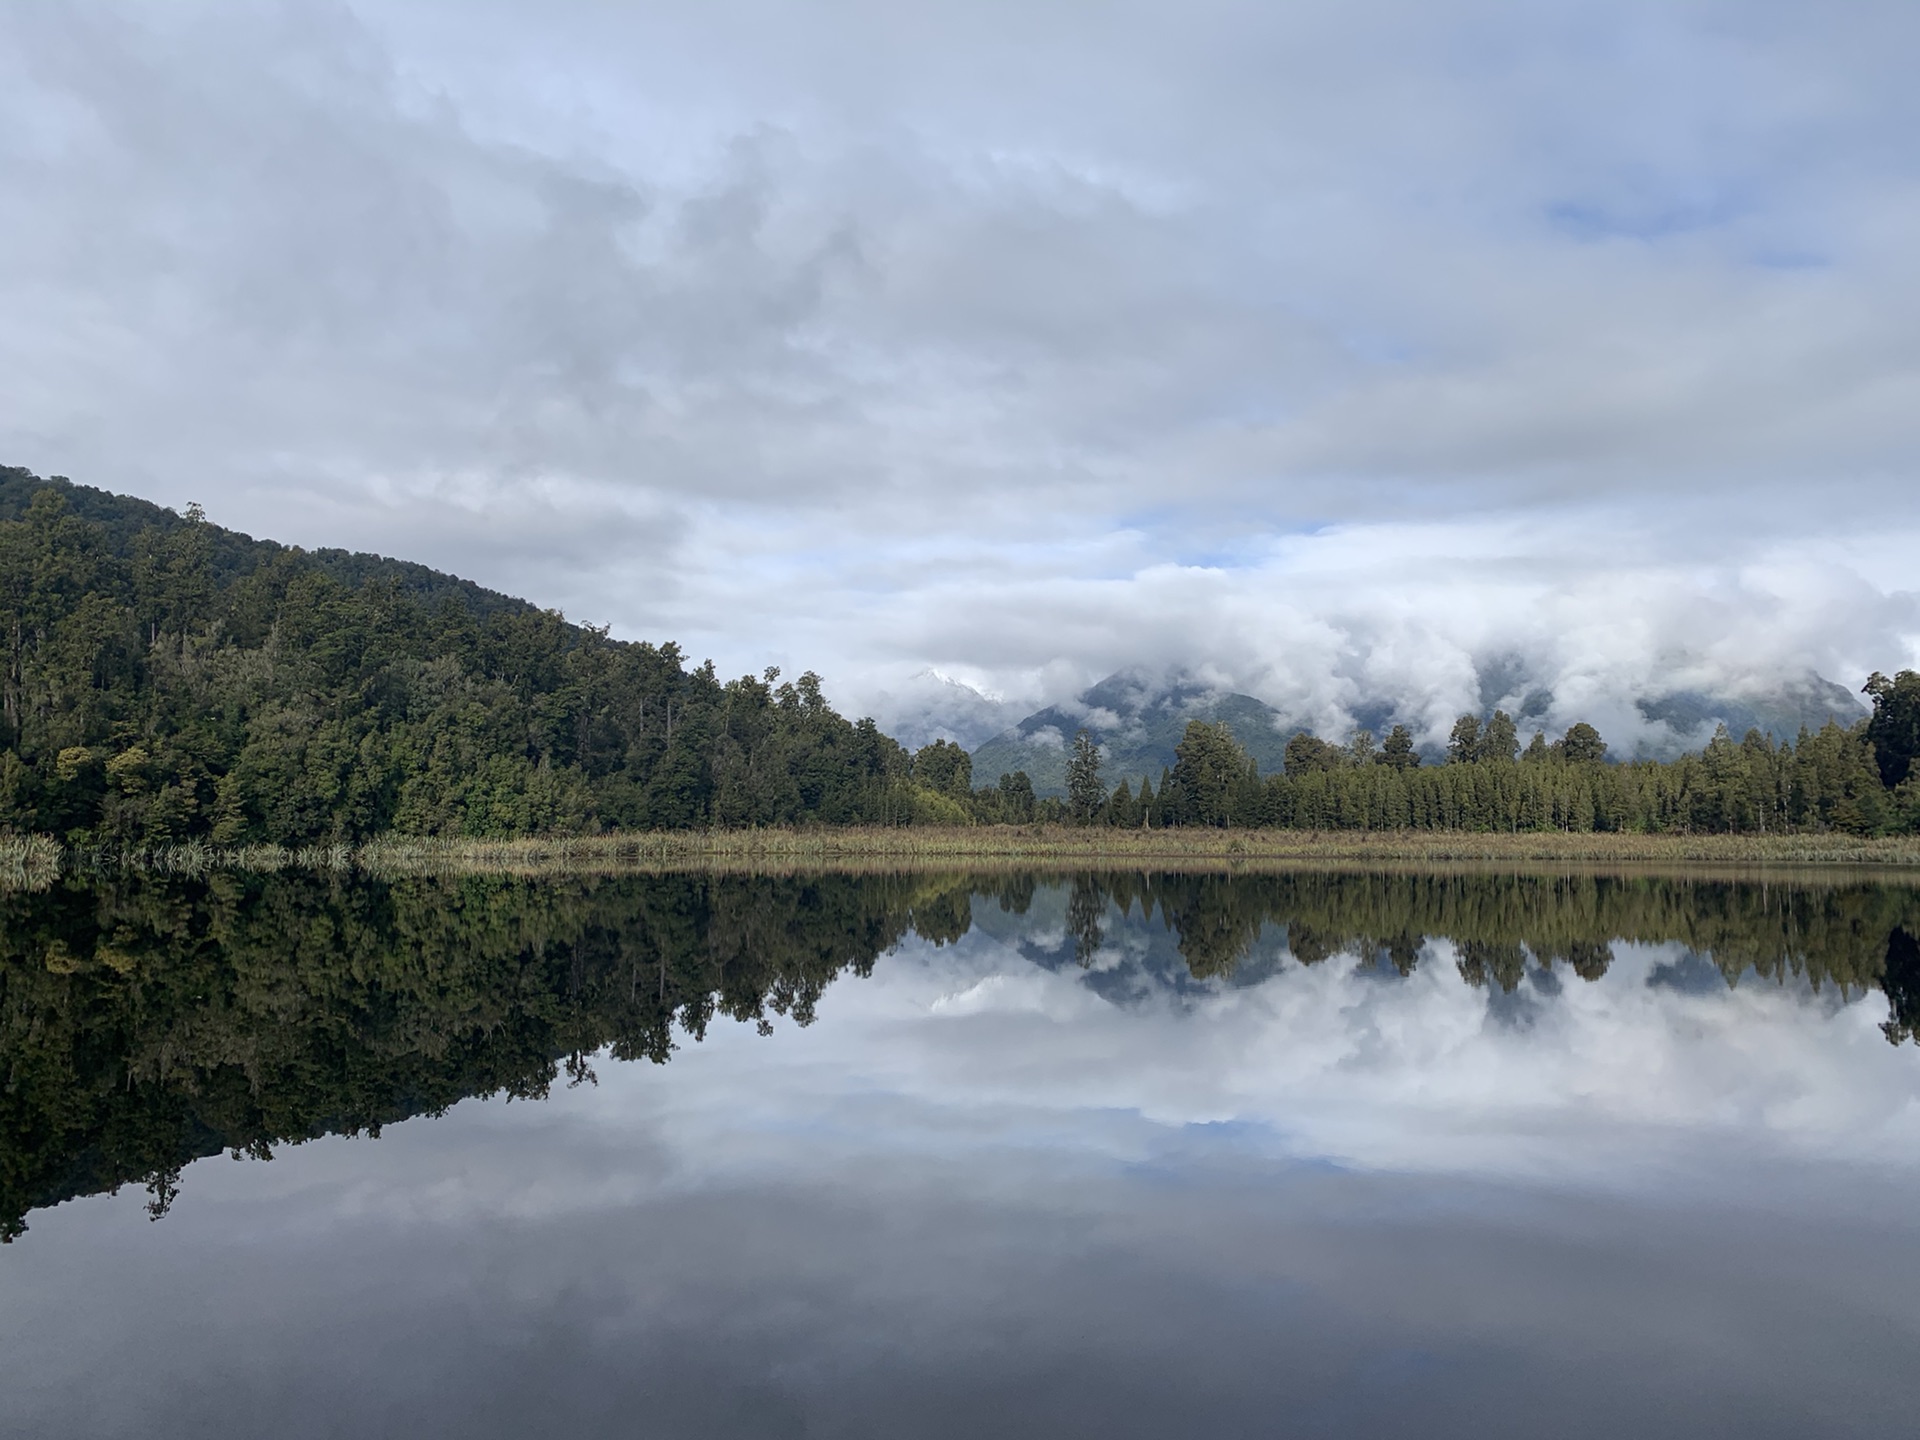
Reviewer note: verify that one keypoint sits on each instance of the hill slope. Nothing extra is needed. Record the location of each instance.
(166, 679)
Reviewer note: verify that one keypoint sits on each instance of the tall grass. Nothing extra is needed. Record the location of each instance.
(1026, 847)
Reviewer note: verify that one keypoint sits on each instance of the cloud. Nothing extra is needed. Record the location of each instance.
(1330, 348)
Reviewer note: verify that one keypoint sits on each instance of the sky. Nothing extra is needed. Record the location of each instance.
(1324, 350)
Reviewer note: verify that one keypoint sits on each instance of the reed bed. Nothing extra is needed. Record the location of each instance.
(32, 862)
(1102, 845)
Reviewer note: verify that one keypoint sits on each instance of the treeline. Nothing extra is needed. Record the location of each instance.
(144, 1024)
(165, 680)
(1857, 780)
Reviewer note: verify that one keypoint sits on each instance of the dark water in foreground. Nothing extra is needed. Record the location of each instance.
(958, 1156)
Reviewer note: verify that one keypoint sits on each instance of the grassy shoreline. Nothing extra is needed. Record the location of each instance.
(30, 862)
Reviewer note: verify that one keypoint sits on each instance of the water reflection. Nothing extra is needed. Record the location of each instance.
(144, 1024)
(1111, 1154)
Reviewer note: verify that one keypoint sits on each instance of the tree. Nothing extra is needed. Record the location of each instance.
(1360, 749)
(1398, 750)
(944, 766)
(1537, 748)
(1581, 745)
(1208, 771)
(1306, 754)
(1084, 790)
(1463, 745)
(1016, 797)
(1499, 740)
(1894, 729)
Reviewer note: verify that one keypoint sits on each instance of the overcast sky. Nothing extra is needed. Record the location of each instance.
(1321, 347)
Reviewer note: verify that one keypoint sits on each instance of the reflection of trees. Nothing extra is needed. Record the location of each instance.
(1502, 962)
(143, 1024)
(1499, 923)
(1086, 908)
(1902, 984)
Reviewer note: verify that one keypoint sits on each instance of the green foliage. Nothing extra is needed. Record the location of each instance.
(1894, 727)
(945, 767)
(1398, 750)
(1463, 745)
(165, 680)
(1581, 745)
(1499, 740)
(1307, 754)
(1212, 775)
(1084, 789)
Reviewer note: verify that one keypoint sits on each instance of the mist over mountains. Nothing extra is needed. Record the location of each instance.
(1138, 718)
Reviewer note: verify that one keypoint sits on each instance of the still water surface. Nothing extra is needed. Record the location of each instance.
(880, 1155)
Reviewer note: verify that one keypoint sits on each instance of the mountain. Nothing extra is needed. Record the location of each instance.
(929, 706)
(1807, 703)
(1137, 720)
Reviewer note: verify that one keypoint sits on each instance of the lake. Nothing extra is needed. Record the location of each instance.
(1295, 1153)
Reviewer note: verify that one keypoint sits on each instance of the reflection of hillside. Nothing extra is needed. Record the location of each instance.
(143, 1024)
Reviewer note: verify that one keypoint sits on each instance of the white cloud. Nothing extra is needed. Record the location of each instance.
(1328, 348)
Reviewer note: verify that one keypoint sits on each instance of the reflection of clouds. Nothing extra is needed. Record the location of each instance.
(1605, 1079)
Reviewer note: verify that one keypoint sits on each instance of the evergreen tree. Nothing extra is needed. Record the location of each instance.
(1306, 754)
(1084, 789)
(1499, 740)
(1581, 745)
(1894, 728)
(1398, 751)
(1016, 797)
(1463, 745)
(1210, 770)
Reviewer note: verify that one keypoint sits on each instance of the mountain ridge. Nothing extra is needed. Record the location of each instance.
(1138, 719)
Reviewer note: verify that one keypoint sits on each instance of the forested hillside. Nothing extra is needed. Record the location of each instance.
(166, 680)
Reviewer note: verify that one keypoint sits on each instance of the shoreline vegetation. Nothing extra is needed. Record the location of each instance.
(33, 862)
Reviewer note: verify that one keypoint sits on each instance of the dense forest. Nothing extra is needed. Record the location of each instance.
(167, 680)
(146, 1022)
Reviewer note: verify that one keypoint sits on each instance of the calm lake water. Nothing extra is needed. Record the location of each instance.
(880, 1155)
